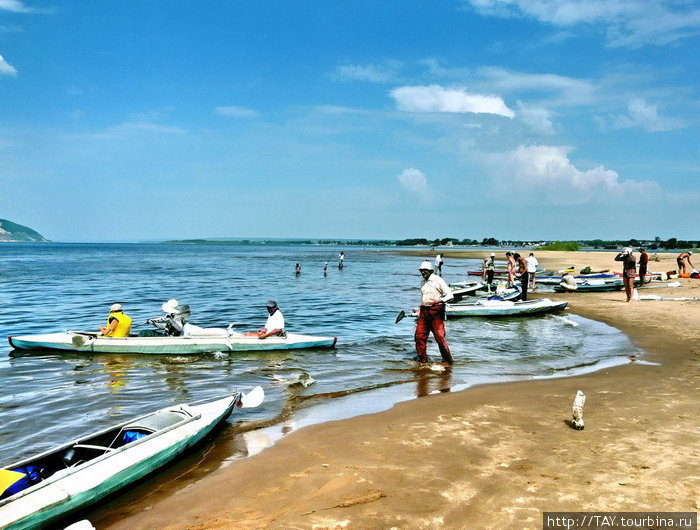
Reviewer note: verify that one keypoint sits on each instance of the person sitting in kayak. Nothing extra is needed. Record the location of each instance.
(118, 323)
(173, 321)
(274, 324)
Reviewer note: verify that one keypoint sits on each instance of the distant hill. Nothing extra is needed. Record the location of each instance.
(10, 231)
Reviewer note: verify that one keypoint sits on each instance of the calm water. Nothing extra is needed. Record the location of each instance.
(47, 398)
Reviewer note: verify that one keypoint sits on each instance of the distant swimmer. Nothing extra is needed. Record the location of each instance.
(118, 323)
(297, 269)
(325, 269)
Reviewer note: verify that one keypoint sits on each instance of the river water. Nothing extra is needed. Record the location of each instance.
(49, 397)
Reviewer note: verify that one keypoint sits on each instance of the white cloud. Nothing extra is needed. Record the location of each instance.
(435, 98)
(233, 111)
(644, 115)
(627, 23)
(547, 171)
(536, 118)
(414, 181)
(6, 68)
(374, 73)
(15, 6)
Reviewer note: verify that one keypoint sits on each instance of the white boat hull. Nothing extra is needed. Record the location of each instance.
(504, 308)
(84, 342)
(73, 488)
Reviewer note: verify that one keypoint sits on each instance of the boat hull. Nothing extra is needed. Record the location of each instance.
(504, 308)
(88, 343)
(73, 489)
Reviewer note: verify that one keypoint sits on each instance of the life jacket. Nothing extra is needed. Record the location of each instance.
(123, 326)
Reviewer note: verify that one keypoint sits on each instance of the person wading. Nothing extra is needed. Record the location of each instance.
(431, 315)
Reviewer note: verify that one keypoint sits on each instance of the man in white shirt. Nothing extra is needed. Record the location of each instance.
(274, 324)
(532, 268)
(438, 264)
(431, 315)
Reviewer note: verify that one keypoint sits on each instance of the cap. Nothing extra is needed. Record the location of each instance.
(115, 307)
(426, 266)
(493, 254)
(627, 250)
(271, 303)
(171, 306)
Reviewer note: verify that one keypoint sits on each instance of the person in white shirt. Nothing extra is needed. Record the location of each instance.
(274, 324)
(431, 315)
(532, 268)
(438, 264)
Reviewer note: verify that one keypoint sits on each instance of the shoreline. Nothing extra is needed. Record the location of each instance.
(493, 455)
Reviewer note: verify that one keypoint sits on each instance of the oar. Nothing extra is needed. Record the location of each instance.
(656, 297)
(402, 314)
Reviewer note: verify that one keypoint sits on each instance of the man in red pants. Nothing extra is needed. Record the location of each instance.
(431, 317)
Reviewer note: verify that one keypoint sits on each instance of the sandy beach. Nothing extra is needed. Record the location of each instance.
(493, 456)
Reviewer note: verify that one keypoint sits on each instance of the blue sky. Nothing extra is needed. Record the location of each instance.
(514, 119)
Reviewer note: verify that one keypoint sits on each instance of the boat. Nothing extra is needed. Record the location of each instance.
(79, 473)
(465, 288)
(504, 308)
(599, 285)
(554, 280)
(205, 342)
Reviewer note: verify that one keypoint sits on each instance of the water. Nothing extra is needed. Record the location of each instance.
(48, 398)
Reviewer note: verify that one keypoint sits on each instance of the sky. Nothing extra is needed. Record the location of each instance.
(514, 119)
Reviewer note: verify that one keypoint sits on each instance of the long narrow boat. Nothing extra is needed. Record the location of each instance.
(78, 341)
(594, 286)
(553, 280)
(504, 308)
(83, 471)
(461, 289)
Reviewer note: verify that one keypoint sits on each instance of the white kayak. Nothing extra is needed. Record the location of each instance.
(81, 472)
(78, 341)
(504, 308)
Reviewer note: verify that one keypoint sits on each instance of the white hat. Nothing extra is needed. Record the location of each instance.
(115, 307)
(426, 266)
(627, 250)
(493, 254)
(171, 306)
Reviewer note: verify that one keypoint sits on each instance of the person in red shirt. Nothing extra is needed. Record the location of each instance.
(643, 260)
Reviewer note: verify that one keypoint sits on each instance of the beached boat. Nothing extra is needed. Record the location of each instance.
(554, 280)
(79, 341)
(461, 289)
(595, 285)
(76, 474)
(504, 308)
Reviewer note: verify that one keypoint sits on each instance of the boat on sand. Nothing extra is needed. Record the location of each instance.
(40, 490)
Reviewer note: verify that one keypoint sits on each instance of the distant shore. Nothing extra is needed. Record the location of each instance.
(493, 456)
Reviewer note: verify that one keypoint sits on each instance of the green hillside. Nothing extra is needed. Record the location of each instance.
(10, 231)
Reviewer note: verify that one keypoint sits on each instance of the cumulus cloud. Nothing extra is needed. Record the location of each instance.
(435, 98)
(644, 115)
(547, 171)
(373, 73)
(6, 68)
(627, 23)
(414, 181)
(233, 111)
(15, 6)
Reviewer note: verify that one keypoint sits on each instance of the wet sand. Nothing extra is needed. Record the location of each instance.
(493, 456)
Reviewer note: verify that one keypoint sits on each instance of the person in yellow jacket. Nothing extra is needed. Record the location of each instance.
(118, 323)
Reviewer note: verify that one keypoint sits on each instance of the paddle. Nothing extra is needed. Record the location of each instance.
(252, 399)
(656, 297)
(402, 314)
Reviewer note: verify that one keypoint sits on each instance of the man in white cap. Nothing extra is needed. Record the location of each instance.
(118, 323)
(431, 315)
(274, 324)
(173, 321)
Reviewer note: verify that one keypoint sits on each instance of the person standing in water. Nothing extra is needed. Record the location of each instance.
(341, 259)
(431, 314)
(297, 269)
(438, 264)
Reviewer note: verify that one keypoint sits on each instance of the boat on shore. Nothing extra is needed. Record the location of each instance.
(504, 308)
(595, 285)
(90, 342)
(46, 488)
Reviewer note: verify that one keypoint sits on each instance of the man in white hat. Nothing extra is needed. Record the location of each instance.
(431, 315)
(118, 323)
(274, 324)
(173, 321)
